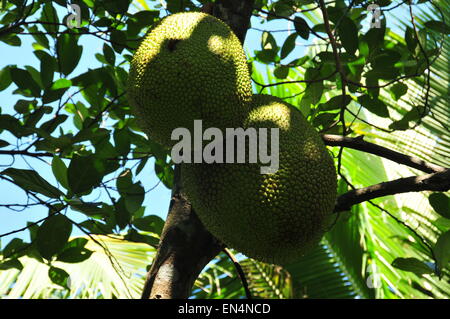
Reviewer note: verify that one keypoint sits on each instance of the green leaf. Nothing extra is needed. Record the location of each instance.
(59, 169)
(84, 173)
(122, 214)
(53, 123)
(301, 27)
(11, 124)
(49, 15)
(40, 37)
(334, 103)
(132, 194)
(266, 56)
(15, 246)
(48, 67)
(3, 143)
(440, 203)
(32, 229)
(282, 9)
(375, 106)
(281, 71)
(11, 264)
(59, 276)
(438, 26)
(5, 78)
(78, 242)
(363, 48)
(52, 95)
(31, 181)
(118, 40)
(103, 22)
(24, 106)
(122, 141)
(164, 172)
(116, 6)
(124, 181)
(442, 251)
(410, 39)
(11, 39)
(324, 119)
(100, 58)
(151, 223)
(175, 5)
(89, 209)
(268, 42)
(109, 54)
(313, 93)
(398, 90)
(141, 165)
(53, 235)
(74, 255)
(134, 236)
(61, 84)
(25, 81)
(413, 265)
(134, 197)
(37, 114)
(385, 58)
(299, 62)
(288, 46)
(69, 52)
(348, 33)
(375, 37)
(143, 19)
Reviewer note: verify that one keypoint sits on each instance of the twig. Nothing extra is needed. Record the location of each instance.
(339, 69)
(293, 21)
(359, 144)
(432, 182)
(241, 273)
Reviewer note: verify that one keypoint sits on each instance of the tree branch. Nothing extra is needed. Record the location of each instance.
(236, 13)
(359, 144)
(240, 272)
(185, 249)
(439, 182)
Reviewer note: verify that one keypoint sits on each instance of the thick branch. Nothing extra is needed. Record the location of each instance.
(439, 182)
(359, 144)
(236, 13)
(185, 249)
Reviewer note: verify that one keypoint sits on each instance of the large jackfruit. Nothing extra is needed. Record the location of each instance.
(270, 217)
(190, 66)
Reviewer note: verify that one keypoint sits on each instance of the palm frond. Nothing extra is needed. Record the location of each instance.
(267, 281)
(116, 270)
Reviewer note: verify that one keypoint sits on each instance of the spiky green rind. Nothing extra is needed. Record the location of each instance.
(276, 217)
(190, 66)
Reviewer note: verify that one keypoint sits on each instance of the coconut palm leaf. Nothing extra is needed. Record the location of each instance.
(116, 270)
(267, 281)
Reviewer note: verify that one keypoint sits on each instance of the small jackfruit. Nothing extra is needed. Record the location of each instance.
(273, 217)
(190, 66)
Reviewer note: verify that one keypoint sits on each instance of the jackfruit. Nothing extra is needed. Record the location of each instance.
(275, 217)
(190, 66)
